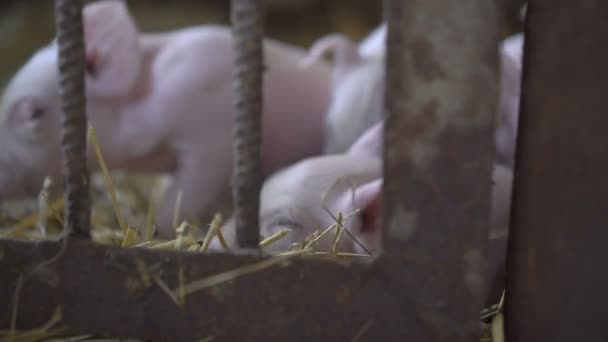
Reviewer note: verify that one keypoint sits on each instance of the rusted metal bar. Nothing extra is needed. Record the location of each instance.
(71, 66)
(442, 79)
(556, 286)
(116, 292)
(246, 17)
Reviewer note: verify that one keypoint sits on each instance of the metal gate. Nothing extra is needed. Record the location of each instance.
(430, 283)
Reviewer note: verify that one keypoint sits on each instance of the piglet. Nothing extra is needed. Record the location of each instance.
(304, 196)
(370, 142)
(299, 198)
(352, 182)
(160, 102)
(358, 90)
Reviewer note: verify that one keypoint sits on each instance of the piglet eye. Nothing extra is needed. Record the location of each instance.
(27, 110)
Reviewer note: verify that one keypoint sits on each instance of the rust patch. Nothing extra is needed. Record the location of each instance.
(424, 61)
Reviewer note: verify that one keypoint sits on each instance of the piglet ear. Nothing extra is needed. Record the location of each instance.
(374, 45)
(345, 54)
(370, 143)
(112, 48)
(367, 199)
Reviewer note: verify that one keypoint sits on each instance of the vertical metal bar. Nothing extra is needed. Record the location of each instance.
(71, 64)
(556, 280)
(442, 93)
(246, 16)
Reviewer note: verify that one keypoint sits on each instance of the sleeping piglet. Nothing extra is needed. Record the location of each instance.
(160, 102)
(298, 198)
(293, 198)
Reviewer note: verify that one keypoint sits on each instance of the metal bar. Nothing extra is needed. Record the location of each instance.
(118, 293)
(556, 286)
(246, 17)
(71, 64)
(112, 292)
(442, 75)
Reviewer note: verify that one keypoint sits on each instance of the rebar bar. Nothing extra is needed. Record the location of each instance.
(71, 64)
(246, 17)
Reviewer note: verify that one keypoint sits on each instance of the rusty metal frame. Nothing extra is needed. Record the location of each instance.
(438, 157)
(103, 291)
(556, 283)
(428, 285)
